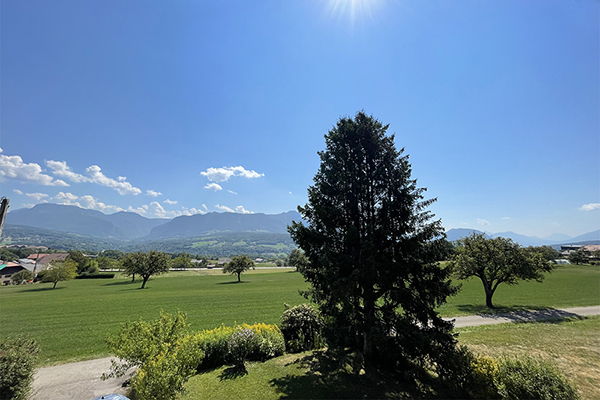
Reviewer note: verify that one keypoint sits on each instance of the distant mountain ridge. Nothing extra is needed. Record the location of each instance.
(552, 240)
(73, 219)
(204, 224)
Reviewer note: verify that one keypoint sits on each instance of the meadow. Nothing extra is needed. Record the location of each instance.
(72, 321)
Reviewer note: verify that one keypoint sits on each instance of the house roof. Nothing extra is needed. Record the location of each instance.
(35, 255)
(592, 247)
(48, 258)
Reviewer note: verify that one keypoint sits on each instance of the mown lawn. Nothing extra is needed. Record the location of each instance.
(72, 321)
(573, 346)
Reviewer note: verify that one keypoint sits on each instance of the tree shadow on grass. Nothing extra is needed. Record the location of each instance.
(43, 289)
(123, 283)
(232, 283)
(518, 313)
(330, 376)
(233, 373)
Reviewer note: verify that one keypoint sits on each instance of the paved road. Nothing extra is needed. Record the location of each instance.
(81, 380)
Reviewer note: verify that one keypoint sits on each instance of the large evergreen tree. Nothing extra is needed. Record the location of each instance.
(373, 249)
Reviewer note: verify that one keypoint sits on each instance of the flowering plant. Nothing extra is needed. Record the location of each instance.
(240, 345)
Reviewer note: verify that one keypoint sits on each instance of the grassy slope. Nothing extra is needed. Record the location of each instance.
(573, 346)
(72, 321)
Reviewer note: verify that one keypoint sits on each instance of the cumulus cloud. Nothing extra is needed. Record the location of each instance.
(153, 193)
(17, 191)
(223, 174)
(242, 210)
(94, 175)
(213, 186)
(85, 201)
(482, 222)
(13, 167)
(140, 210)
(224, 208)
(590, 207)
(204, 206)
(238, 209)
(37, 196)
(171, 202)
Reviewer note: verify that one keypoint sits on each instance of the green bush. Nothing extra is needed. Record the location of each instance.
(96, 276)
(165, 355)
(302, 328)
(19, 277)
(17, 361)
(528, 378)
(267, 342)
(240, 344)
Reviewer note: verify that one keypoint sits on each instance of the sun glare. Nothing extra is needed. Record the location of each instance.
(354, 10)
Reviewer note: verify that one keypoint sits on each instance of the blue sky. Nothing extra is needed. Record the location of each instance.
(179, 107)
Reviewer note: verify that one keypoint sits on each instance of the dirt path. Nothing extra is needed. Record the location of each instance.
(81, 380)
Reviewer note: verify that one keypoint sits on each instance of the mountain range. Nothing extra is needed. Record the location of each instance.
(127, 226)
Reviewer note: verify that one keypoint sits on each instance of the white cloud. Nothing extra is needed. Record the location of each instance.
(204, 206)
(17, 191)
(37, 196)
(95, 175)
(224, 208)
(232, 192)
(482, 222)
(590, 207)
(171, 202)
(505, 218)
(290, 192)
(152, 193)
(140, 210)
(223, 174)
(157, 210)
(85, 201)
(242, 210)
(213, 186)
(13, 167)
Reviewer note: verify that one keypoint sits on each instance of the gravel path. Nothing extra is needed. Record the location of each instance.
(81, 380)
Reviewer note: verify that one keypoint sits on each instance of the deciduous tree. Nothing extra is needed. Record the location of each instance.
(580, 256)
(298, 259)
(496, 261)
(372, 248)
(238, 265)
(60, 271)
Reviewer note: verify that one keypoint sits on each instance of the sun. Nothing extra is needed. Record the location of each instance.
(354, 10)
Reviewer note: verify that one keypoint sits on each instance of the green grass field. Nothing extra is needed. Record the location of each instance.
(72, 321)
(573, 346)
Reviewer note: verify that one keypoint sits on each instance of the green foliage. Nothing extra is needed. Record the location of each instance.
(546, 251)
(238, 265)
(528, 378)
(96, 276)
(8, 255)
(60, 271)
(240, 344)
(373, 250)
(301, 327)
(18, 357)
(580, 256)
(165, 355)
(496, 261)
(107, 263)
(183, 261)
(298, 259)
(19, 277)
(146, 265)
(85, 266)
(266, 342)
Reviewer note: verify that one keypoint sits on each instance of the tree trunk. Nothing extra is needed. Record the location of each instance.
(369, 322)
(132, 278)
(488, 298)
(144, 283)
(239, 279)
(54, 284)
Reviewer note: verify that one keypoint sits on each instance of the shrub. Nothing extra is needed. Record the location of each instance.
(96, 276)
(302, 328)
(164, 375)
(165, 355)
(528, 378)
(19, 277)
(240, 344)
(267, 342)
(17, 361)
